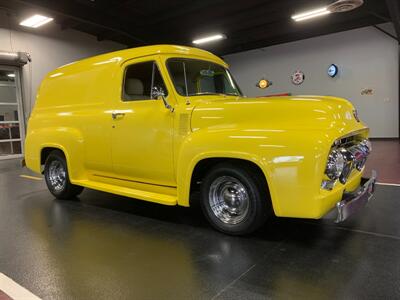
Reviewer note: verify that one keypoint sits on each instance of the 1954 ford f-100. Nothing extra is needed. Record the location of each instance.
(160, 123)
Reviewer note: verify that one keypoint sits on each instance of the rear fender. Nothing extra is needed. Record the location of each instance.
(68, 140)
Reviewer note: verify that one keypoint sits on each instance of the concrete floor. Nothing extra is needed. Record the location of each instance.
(110, 247)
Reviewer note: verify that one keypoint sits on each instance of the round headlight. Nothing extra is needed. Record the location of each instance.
(335, 165)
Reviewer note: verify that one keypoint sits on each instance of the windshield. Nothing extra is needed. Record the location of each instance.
(198, 77)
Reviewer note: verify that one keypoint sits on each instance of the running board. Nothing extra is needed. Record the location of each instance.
(128, 192)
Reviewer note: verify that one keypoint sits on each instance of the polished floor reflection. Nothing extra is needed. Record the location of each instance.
(385, 159)
(111, 247)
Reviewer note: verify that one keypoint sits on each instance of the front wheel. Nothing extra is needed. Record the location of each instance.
(235, 199)
(57, 178)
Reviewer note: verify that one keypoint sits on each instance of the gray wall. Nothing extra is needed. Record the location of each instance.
(366, 57)
(49, 48)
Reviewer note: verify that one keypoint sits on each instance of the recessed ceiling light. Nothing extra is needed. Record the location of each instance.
(36, 21)
(311, 14)
(209, 39)
(12, 75)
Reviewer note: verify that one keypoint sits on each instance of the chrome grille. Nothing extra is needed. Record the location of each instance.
(353, 151)
(348, 141)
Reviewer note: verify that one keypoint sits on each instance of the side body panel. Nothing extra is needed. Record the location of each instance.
(72, 114)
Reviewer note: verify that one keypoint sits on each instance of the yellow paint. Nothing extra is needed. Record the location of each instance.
(150, 153)
(31, 177)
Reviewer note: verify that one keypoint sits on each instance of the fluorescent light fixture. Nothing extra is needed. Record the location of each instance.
(311, 14)
(36, 21)
(209, 39)
(12, 75)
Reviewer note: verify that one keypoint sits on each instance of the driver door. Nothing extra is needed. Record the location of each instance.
(142, 129)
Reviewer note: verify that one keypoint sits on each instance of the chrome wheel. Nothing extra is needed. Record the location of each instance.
(229, 200)
(57, 175)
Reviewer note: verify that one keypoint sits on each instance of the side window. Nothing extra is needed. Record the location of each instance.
(140, 79)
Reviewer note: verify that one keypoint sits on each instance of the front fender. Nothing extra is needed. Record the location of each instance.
(293, 163)
(202, 145)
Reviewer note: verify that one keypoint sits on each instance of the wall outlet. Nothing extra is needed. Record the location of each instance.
(386, 99)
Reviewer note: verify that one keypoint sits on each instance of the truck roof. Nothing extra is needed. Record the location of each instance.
(123, 55)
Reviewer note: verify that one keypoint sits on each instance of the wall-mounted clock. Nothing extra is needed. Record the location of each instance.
(298, 77)
(333, 70)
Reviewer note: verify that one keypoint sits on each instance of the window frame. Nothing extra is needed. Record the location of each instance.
(154, 61)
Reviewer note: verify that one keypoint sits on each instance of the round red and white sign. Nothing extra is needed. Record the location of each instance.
(298, 77)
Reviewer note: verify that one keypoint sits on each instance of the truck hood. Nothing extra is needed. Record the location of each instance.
(300, 113)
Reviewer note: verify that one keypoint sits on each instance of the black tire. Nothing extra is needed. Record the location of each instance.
(241, 176)
(61, 188)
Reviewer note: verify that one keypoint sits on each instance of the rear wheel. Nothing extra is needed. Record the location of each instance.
(57, 178)
(235, 199)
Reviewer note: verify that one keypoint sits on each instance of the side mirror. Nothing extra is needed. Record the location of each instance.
(158, 93)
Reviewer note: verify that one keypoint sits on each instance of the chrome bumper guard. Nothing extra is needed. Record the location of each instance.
(351, 202)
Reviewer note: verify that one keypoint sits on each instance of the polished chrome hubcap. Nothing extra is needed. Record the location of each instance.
(57, 175)
(229, 200)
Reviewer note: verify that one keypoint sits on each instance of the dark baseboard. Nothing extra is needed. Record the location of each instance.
(384, 139)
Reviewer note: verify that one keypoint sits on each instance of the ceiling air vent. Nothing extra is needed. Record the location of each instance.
(344, 5)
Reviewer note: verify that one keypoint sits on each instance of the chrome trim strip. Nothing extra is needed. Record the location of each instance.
(135, 181)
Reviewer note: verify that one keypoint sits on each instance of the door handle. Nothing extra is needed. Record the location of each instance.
(115, 115)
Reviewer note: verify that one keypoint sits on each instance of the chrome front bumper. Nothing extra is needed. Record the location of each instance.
(351, 202)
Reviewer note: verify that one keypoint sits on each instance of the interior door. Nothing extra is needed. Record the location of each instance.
(142, 131)
(11, 114)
